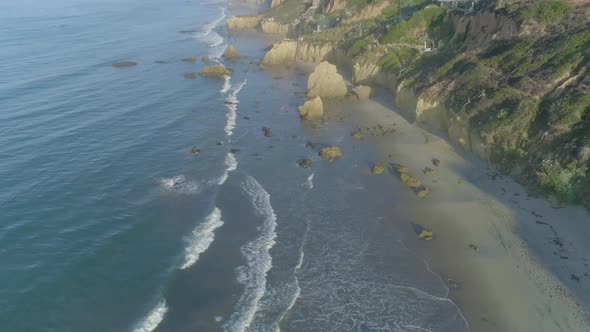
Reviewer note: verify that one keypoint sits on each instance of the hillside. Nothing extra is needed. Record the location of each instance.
(505, 79)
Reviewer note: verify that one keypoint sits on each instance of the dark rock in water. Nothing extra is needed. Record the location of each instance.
(474, 247)
(219, 143)
(195, 151)
(191, 59)
(187, 32)
(191, 76)
(160, 62)
(246, 117)
(227, 102)
(267, 131)
(305, 163)
(311, 145)
(234, 150)
(215, 71)
(429, 171)
(435, 162)
(357, 135)
(123, 63)
(422, 232)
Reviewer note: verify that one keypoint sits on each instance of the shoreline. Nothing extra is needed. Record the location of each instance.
(500, 251)
(511, 272)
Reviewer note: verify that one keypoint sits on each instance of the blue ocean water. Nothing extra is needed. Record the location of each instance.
(108, 222)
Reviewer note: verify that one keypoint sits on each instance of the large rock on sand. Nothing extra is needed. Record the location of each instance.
(312, 108)
(231, 53)
(243, 22)
(325, 81)
(215, 71)
(362, 92)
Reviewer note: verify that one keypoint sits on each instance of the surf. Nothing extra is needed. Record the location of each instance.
(258, 259)
(201, 238)
(153, 318)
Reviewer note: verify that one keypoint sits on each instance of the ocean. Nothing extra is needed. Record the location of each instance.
(108, 222)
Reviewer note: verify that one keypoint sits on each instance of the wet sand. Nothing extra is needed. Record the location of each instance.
(512, 262)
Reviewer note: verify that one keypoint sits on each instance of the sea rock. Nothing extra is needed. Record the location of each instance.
(378, 169)
(191, 59)
(123, 63)
(231, 53)
(243, 22)
(357, 135)
(410, 181)
(195, 151)
(206, 58)
(267, 132)
(425, 234)
(422, 192)
(312, 108)
(325, 81)
(331, 152)
(362, 92)
(215, 71)
(305, 163)
(401, 169)
(435, 162)
(429, 171)
(190, 76)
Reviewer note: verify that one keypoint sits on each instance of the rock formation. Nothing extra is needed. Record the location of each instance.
(291, 51)
(362, 92)
(312, 108)
(274, 27)
(243, 22)
(231, 53)
(325, 81)
(331, 152)
(215, 71)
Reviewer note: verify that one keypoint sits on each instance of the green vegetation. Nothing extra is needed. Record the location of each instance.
(547, 11)
(570, 109)
(287, 12)
(413, 30)
(565, 182)
(400, 58)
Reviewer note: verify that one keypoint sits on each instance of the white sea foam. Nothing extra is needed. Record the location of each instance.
(258, 260)
(309, 182)
(226, 84)
(180, 184)
(231, 164)
(201, 238)
(232, 105)
(208, 35)
(153, 318)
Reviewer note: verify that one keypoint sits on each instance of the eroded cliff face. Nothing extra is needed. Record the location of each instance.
(275, 3)
(273, 27)
(292, 51)
(483, 28)
(243, 22)
(332, 6)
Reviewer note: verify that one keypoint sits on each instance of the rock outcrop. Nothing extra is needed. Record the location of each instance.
(325, 81)
(378, 169)
(312, 108)
(243, 22)
(231, 53)
(362, 92)
(190, 59)
(215, 71)
(274, 27)
(291, 51)
(123, 63)
(332, 6)
(331, 152)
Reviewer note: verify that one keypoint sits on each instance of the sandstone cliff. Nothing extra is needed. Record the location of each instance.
(243, 22)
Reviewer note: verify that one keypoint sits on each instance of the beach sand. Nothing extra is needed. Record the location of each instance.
(512, 262)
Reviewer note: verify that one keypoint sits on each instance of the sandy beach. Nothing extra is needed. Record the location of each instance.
(512, 262)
